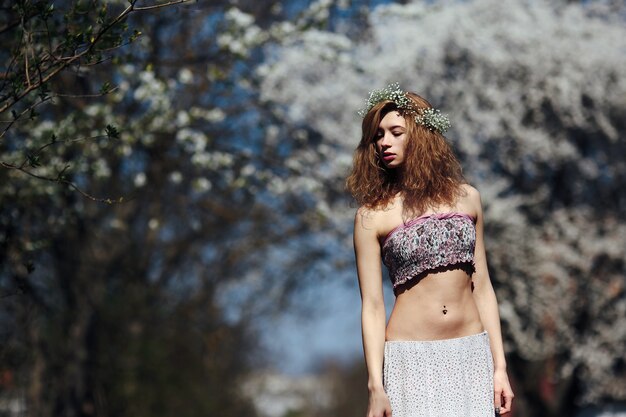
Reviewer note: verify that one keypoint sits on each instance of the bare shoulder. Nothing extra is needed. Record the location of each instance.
(472, 196)
(366, 218)
(369, 221)
(472, 193)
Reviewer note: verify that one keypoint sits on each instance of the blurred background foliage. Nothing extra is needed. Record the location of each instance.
(172, 176)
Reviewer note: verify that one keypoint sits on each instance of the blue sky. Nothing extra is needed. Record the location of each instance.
(300, 344)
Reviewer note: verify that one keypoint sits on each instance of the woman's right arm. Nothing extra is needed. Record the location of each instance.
(368, 262)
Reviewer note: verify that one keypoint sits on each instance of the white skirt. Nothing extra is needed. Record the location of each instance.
(440, 378)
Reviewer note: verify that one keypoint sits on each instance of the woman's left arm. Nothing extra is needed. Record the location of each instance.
(485, 298)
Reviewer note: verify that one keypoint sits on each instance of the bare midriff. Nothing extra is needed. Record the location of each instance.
(439, 306)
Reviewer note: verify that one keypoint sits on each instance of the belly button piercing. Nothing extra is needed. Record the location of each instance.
(444, 310)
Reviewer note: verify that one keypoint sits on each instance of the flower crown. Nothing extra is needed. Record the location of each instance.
(430, 118)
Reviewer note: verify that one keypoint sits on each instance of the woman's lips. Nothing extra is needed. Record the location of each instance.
(389, 157)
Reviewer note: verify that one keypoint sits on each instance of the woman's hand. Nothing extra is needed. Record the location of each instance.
(502, 391)
(379, 405)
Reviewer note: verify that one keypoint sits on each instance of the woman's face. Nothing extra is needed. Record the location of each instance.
(391, 140)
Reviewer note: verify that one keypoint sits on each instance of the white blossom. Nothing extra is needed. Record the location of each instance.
(516, 79)
(185, 76)
(202, 184)
(176, 177)
(182, 118)
(154, 223)
(140, 179)
(101, 168)
(215, 115)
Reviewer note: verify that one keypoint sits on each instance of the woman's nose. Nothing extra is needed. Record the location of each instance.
(386, 142)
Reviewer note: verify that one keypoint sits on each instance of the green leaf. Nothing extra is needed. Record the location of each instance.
(135, 35)
(106, 87)
(112, 132)
(33, 160)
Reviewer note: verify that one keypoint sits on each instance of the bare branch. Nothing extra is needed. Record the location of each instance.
(50, 97)
(121, 45)
(26, 69)
(59, 179)
(66, 182)
(85, 95)
(54, 142)
(108, 58)
(19, 116)
(158, 6)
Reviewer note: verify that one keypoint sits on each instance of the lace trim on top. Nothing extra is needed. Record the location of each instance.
(427, 242)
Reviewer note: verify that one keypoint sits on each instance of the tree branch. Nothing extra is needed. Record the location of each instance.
(158, 6)
(70, 184)
(67, 61)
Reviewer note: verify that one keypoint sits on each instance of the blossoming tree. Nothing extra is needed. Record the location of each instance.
(535, 95)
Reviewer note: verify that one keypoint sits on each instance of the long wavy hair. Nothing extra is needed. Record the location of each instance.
(430, 176)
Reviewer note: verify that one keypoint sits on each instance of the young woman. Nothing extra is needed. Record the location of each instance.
(441, 353)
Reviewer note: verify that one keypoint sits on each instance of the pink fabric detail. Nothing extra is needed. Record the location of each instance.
(427, 242)
(444, 215)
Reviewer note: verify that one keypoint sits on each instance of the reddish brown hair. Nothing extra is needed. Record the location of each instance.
(430, 176)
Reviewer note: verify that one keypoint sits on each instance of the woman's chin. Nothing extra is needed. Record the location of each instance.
(392, 165)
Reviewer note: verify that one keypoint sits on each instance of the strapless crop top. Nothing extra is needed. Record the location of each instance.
(428, 242)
